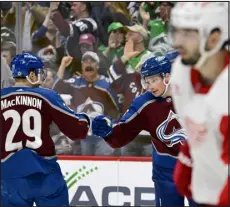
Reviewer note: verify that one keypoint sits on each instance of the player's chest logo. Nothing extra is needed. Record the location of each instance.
(92, 108)
(173, 137)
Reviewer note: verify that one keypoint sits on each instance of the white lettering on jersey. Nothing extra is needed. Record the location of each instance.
(21, 100)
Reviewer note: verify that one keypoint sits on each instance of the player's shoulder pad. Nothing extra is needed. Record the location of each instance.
(138, 104)
(5, 91)
(28, 90)
(53, 99)
(48, 94)
(143, 100)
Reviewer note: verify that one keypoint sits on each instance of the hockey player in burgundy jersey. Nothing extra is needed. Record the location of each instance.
(153, 112)
(200, 90)
(29, 171)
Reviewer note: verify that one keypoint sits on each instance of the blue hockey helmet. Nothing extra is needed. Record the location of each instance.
(172, 55)
(156, 65)
(22, 64)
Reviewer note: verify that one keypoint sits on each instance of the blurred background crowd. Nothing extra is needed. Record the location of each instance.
(93, 52)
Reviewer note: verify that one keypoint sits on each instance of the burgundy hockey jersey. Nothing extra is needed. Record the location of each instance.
(156, 116)
(26, 116)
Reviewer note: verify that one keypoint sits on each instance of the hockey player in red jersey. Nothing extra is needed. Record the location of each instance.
(153, 112)
(29, 169)
(199, 30)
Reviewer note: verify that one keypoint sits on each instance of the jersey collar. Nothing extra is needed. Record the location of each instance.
(198, 86)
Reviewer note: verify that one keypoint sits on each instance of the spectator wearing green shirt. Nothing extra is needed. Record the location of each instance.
(157, 26)
(123, 73)
(137, 36)
(116, 42)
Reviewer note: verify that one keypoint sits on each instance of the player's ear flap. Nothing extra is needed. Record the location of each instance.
(31, 75)
(167, 77)
(213, 40)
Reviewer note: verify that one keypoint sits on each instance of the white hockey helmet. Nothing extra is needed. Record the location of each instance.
(204, 17)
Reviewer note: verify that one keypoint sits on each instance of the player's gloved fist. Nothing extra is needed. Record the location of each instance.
(102, 126)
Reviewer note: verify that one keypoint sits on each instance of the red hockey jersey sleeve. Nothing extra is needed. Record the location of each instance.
(224, 131)
(225, 157)
(183, 171)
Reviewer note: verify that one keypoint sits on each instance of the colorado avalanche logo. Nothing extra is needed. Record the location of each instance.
(177, 136)
(91, 107)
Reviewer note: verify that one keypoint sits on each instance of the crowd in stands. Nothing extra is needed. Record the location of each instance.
(93, 52)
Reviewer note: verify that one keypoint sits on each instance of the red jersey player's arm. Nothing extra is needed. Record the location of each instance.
(224, 201)
(75, 126)
(224, 131)
(130, 125)
(183, 171)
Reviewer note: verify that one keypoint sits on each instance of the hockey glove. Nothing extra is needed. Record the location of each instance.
(102, 126)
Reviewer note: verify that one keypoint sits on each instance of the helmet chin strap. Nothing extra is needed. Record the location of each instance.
(34, 83)
(166, 87)
(41, 78)
(201, 60)
(206, 54)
